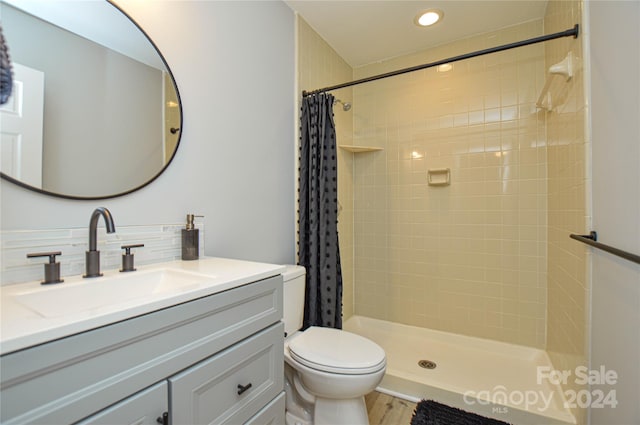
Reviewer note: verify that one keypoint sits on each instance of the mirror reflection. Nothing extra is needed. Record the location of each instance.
(94, 111)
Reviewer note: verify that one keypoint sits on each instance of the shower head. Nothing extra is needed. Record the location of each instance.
(345, 105)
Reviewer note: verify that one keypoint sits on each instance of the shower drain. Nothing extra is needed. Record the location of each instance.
(427, 364)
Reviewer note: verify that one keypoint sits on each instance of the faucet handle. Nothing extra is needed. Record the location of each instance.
(127, 257)
(52, 269)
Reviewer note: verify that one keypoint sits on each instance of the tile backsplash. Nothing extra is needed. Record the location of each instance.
(162, 242)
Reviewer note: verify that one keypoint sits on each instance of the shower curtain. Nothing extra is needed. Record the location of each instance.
(318, 249)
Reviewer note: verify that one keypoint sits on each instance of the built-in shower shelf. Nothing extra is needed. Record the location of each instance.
(359, 149)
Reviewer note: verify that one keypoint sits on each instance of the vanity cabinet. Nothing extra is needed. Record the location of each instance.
(216, 359)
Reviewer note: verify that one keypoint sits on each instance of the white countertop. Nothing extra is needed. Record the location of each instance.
(22, 327)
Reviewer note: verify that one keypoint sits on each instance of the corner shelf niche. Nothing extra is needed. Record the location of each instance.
(359, 149)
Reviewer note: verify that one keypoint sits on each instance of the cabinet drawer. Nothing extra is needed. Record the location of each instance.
(271, 414)
(211, 391)
(143, 408)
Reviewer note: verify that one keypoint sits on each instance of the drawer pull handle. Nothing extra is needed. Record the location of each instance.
(244, 388)
(164, 419)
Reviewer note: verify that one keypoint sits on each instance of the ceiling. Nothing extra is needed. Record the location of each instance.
(364, 31)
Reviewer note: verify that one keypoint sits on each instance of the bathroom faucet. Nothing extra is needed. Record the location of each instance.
(93, 255)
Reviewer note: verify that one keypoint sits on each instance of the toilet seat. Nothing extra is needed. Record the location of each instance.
(336, 351)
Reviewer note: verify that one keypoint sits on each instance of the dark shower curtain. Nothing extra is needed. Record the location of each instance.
(318, 213)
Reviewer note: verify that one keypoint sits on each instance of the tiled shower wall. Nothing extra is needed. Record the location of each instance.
(471, 257)
(320, 66)
(568, 284)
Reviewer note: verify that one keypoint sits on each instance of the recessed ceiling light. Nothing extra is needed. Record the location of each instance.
(428, 17)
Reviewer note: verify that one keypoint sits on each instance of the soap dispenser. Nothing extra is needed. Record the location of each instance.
(190, 240)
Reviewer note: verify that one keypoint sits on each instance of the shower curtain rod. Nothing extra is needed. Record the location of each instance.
(573, 32)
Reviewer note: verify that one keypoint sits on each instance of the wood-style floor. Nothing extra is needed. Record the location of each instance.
(384, 409)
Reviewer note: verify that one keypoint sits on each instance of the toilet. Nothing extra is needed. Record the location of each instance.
(327, 371)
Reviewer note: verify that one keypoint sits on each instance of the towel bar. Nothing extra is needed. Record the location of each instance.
(592, 239)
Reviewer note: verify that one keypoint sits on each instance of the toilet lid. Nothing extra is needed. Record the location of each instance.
(337, 351)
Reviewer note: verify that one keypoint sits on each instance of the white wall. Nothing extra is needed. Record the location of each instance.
(234, 66)
(615, 112)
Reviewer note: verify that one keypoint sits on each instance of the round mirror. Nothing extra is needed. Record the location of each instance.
(95, 112)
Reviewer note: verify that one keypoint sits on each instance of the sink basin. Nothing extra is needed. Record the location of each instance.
(108, 292)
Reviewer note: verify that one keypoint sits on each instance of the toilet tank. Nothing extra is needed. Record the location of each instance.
(293, 295)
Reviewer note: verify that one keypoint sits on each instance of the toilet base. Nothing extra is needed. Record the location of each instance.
(351, 411)
(291, 419)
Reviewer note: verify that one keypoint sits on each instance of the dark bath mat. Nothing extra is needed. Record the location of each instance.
(428, 412)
